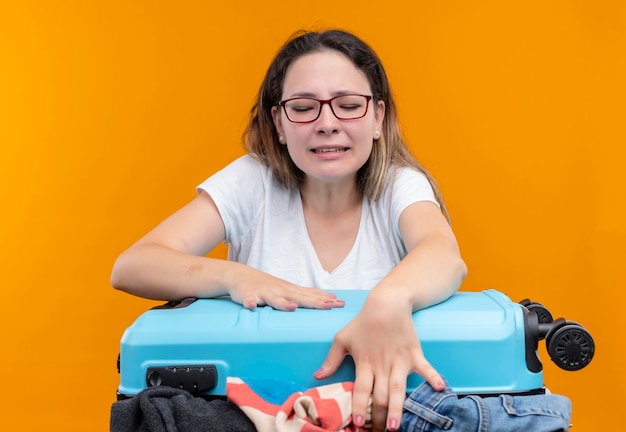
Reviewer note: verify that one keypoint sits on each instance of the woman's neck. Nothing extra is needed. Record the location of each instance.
(330, 199)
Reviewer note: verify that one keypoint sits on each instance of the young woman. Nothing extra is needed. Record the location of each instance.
(328, 197)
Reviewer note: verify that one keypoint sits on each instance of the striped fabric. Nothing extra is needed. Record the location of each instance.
(320, 409)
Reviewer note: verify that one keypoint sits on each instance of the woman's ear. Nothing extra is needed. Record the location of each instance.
(278, 122)
(379, 114)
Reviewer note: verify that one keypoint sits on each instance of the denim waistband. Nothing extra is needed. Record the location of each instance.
(424, 401)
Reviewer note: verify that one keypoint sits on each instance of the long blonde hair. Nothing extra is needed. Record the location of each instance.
(390, 151)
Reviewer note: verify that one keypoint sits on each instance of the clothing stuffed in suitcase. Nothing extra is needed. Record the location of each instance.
(481, 341)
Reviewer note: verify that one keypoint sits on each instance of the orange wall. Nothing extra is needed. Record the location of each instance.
(111, 112)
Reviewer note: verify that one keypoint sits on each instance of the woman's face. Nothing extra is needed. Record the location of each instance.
(328, 149)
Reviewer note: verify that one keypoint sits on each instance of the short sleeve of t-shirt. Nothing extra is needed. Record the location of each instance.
(410, 186)
(238, 191)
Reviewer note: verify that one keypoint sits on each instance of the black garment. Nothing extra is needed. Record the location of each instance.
(166, 409)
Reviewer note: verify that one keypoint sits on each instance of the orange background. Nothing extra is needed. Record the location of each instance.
(112, 111)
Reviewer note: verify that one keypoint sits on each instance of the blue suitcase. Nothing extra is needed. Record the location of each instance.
(482, 342)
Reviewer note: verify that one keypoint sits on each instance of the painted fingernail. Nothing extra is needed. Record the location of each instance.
(318, 372)
(392, 424)
(358, 421)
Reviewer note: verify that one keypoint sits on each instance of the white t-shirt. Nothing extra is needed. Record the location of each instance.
(265, 226)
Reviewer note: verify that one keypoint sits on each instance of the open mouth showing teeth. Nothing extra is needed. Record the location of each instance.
(330, 150)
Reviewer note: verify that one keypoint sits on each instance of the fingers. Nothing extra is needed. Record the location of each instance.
(386, 392)
(283, 305)
(334, 358)
(249, 302)
(304, 299)
(362, 398)
(313, 298)
(285, 297)
(389, 393)
(385, 383)
(396, 397)
(428, 372)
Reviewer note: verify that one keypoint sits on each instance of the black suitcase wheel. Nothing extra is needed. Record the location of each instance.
(542, 312)
(570, 346)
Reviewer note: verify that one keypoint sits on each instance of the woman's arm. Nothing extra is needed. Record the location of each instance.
(169, 263)
(433, 269)
(382, 338)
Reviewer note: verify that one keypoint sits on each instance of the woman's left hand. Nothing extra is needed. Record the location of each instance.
(385, 347)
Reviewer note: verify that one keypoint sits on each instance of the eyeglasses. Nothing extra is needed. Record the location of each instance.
(307, 110)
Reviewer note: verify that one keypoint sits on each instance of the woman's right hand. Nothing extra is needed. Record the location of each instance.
(252, 288)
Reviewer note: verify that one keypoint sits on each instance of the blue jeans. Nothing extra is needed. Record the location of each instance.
(427, 410)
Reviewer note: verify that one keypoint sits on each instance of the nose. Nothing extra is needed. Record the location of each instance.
(327, 122)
